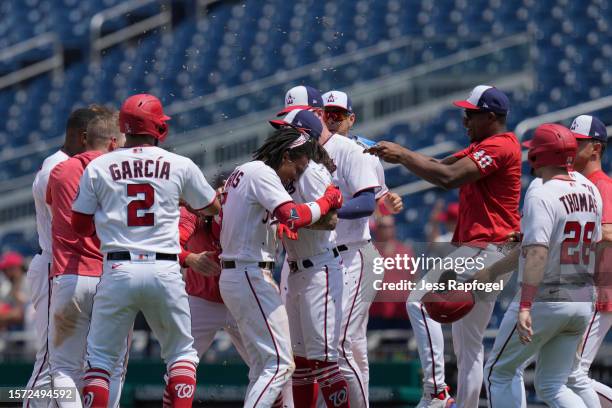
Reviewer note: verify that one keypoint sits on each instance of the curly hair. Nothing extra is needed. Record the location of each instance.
(281, 141)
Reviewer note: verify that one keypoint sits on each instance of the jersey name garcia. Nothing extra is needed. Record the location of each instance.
(134, 193)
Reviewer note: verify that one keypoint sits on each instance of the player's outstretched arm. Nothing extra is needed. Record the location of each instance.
(441, 174)
(212, 209)
(327, 222)
(296, 216)
(535, 263)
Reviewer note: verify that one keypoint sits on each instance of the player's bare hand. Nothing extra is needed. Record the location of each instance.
(327, 222)
(203, 264)
(524, 327)
(283, 230)
(333, 196)
(387, 151)
(394, 203)
(514, 236)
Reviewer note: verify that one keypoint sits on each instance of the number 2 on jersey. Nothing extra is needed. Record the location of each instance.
(146, 219)
(570, 251)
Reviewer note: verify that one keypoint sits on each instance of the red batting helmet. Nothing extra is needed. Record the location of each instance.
(143, 114)
(448, 306)
(552, 145)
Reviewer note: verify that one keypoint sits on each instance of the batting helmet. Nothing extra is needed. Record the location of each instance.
(448, 306)
(143, 114)
(552, 145)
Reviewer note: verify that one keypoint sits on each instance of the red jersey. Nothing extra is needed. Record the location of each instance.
(603, 274)
(72, 253)
(489, 207)
(196, 236)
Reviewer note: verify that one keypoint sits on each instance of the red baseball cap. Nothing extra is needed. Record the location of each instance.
(10, 259)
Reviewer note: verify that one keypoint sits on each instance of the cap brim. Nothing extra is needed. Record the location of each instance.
(165, 117)
(580, 136)
(291, 108)
(331, 105)
(465, 105)
(278, 123)
(526, 144)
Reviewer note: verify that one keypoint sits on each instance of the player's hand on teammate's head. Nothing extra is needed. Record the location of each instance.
(203, 264)
(333, 196)
(387, 151)
(283, 230)
(524, 327)
(394, 203)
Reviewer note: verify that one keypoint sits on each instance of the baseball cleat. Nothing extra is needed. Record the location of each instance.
(441, 400)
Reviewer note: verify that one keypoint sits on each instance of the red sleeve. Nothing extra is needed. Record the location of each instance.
(462, 153)
(294, 215)
(83, 224)
(187, 226)
(490, 154)
(605, 190)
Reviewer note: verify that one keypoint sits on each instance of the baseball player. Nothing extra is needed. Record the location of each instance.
(38, 271)
(339, 117)
(201, 248)
(133, 195)
(76, 268)
(561, 223)
(257, 208)
(592, 138)
(314, 284)
(488, 174)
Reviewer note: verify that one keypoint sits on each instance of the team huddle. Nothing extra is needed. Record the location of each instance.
(126, 227)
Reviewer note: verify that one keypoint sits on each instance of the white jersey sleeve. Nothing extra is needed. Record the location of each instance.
(538, 220)
(39, 191)
(196, 190)
(86, 201)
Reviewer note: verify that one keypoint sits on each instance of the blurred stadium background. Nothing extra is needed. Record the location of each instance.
(222, 69)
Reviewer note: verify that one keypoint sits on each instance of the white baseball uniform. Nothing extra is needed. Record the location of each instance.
(356, 171)
(38, 277)
(565, 216)
(315, 282)
(134, 193)
(248, 241)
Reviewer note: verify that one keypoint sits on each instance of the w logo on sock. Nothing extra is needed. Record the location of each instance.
(88, 399)
(338, 398)
(184, 390)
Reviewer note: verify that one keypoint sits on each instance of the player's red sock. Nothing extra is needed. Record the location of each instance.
(303, 383)
(182, 384)
(95, 391)
(332, 383)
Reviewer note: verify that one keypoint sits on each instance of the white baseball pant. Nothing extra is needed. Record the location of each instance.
(253, 298)
(468, 333)
(314, 307)
(588, 389)
(207, 318)
(359, 293)
(154, 287)
(38, 282)
(70, 312)
(557, 328)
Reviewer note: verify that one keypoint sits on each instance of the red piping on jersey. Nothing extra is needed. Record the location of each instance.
(246, 274)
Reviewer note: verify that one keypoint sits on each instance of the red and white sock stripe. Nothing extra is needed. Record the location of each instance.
(328, 375)
(97, 377)
(182, 368)
(302, 376)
